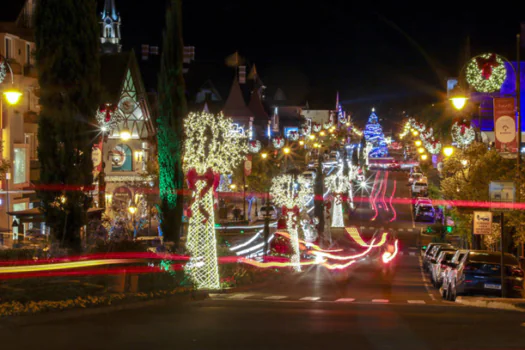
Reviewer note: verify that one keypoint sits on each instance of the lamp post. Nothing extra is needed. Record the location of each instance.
(7, 178)
(132, 210)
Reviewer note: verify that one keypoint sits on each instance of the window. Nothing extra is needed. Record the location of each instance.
(28, 54)
(20, 171)
(8, 53)
(122, 158)
(108, 32)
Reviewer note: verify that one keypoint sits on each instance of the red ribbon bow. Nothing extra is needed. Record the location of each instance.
(486, 65)
(212, 182)
(108, 109)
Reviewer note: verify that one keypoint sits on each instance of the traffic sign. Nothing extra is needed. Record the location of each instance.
(501, 192)
(482, 223)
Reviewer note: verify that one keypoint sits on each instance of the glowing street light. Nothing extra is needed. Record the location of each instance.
(233, 186)
(286, 150)
(264, 155)
(301, 142)
(458, 98)
(418, 143)
(322, 133)
(424, 157)
(415, 133)
(12, 96)
(421, 150)
(464, 162)
(312, 137)
(132, 209)
(125, 134)
(448, 151)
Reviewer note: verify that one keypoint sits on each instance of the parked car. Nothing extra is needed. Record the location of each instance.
(272, 211)
(421, 200)
(432, 259)
(429, 251)
(425, 212)
(480, 272)
(442, 262)
(414, 177)
(448, 272)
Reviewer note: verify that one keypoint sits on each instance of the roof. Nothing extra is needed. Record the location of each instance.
(113, 68)
(257, 107)
(11, 10)
(235, 105)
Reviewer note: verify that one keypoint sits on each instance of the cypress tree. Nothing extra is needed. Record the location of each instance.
(172, 110)
(67, 51)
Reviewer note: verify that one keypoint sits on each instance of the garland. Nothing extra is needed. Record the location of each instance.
(254, 146)
(463, 133)
(278, 142)
(3, 69)
(316, 127)
(486, 72)
(293, 135)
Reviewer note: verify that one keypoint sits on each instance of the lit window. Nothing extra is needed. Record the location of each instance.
(20, 166)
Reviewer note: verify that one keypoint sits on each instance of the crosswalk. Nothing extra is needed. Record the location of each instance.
(312, 299)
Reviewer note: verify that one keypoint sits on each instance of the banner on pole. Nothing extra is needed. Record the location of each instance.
(248, 165)
(505, 125)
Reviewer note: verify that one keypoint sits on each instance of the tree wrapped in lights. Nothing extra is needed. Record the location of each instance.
(338, 184)
(292, 194)
(211, 147)
(374, 135)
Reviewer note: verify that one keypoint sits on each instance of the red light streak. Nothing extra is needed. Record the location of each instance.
(392, 197)
(388, 257)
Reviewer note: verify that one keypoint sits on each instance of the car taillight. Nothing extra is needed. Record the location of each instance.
(517, 272)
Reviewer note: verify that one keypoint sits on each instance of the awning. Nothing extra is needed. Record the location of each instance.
(36, 215)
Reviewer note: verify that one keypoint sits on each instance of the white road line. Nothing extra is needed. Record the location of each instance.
(412, 253)
(345, 300)
(371, 227)
(410, 230)
(401, 229)
(416, 301)
(240, 296)
(276, 297)
(310, 298)
(383, 301)
(217, 295)
(412, 213)
(362, 227)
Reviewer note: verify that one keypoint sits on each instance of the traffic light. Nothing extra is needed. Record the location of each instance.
(449, 229)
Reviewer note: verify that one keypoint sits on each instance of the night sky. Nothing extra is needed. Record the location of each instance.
(377, 54)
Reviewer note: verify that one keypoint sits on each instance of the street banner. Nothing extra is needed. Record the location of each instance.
(248, 165)
(96, 157)
(482, 223)
(505, 125)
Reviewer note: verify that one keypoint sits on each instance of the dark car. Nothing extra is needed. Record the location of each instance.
(479, 272)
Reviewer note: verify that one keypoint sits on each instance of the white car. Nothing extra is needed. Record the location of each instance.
(415, 177)
(419, 188)
(272, 212)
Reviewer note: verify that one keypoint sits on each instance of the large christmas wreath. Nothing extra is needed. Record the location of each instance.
(293, 135)
(433, 146)
(108, 116)
(317, 127)
(463, 133)
(486, 72)
(278, 142)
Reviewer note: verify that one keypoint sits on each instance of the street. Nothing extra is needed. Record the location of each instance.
(370, 307)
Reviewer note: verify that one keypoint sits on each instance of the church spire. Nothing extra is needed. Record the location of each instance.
(110, 28)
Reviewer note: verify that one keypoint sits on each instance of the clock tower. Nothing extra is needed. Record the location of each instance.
(110, 28)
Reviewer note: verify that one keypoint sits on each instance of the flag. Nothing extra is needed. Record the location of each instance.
(145, 52)
(234, 60)
(242, 74)
(154, 50)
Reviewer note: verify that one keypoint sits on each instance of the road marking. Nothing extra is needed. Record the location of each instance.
(371, 227)
(240, 296)
(276, 297)
(217, 295)
(425, 282)
(345, 300)
(382, 228)
(412, 213)
(412, 253)
(401, 229)
(310, 298)
(362, 227)
(410, 230)
(383, 301)
(416, 301)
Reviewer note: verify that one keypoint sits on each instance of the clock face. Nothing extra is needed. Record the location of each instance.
(127, 105)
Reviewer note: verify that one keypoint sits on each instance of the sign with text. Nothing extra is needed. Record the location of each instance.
(501, 192)
(248, 165)
(482, 223)
(505, 125)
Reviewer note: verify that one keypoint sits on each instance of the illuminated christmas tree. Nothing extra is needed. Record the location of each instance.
(373, 134)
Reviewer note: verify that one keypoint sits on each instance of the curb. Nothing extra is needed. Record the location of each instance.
(26, 320)
(489, 303)
(245, 287)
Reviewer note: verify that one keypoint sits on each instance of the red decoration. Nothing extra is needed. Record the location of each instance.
(295, 211)
(109, 110)
(212, 182)
(486, 65)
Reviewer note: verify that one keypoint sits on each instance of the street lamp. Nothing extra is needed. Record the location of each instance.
(264, 155)
(448, 151)
(301, 143)
(125, 134)
(421, 150)
(12, 96)
(232, 187)
(424, 157)
(418, 143)
(286, 150)
(458, 97)
(312, 137)
(415, 133)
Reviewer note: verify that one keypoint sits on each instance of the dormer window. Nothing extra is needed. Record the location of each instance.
(108, 32)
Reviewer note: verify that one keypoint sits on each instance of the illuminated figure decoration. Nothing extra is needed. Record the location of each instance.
(212, 147)
(292, 194)
(338, 184)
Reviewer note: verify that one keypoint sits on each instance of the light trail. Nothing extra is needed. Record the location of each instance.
(374, 199)
(353, 232)
(385, 181)
(387, 256)
(394, 217)
(348, 257)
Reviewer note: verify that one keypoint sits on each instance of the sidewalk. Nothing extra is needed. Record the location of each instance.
(513, 304)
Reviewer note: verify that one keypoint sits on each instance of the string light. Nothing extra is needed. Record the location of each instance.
(486, 72)
(213, 145)
(337, 184)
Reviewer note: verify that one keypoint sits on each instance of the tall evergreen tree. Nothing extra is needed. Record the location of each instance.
(67, 55)
(172, 110)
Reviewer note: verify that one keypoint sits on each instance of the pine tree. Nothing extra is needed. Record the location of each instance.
(67, 51)
(172, 110)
